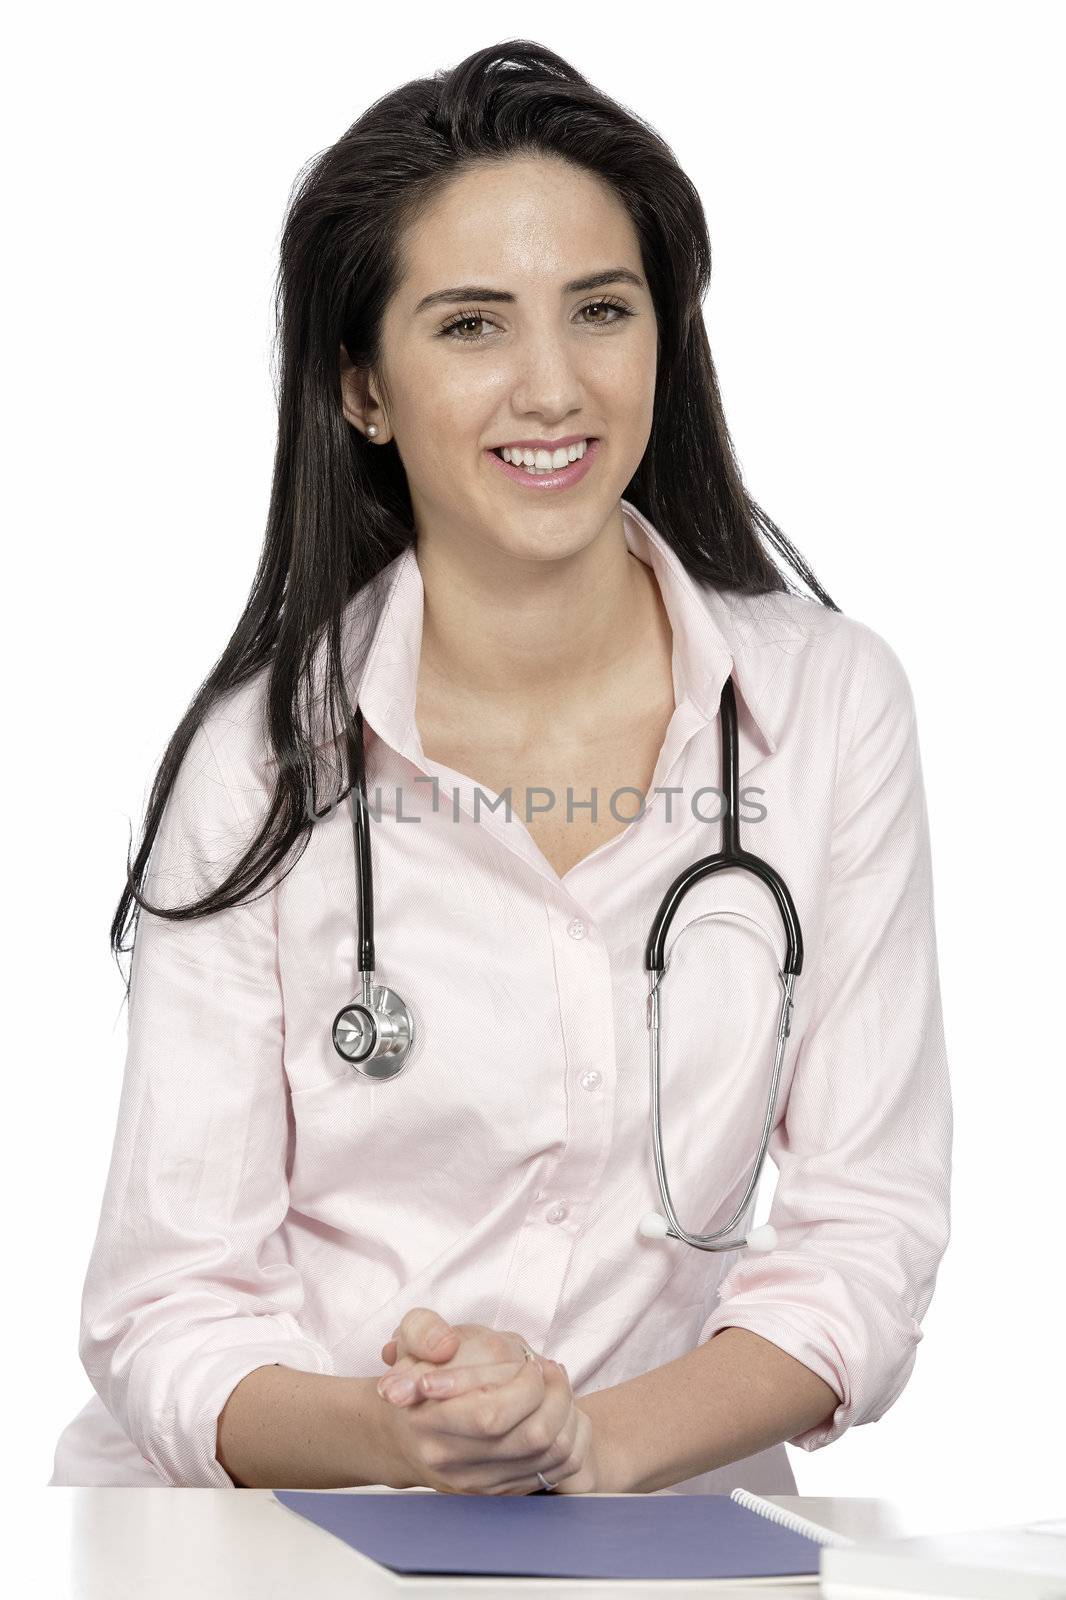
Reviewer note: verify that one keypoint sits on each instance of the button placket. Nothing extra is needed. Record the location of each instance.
(553, 1220)
(587, 1010)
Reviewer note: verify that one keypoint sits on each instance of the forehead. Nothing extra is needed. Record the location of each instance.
(524, 222)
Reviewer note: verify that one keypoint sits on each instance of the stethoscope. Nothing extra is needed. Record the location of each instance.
(375, 1031)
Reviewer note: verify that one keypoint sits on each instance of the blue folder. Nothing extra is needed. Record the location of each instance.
(559, 1536)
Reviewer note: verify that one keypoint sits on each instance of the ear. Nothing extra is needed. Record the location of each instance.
(358, 401)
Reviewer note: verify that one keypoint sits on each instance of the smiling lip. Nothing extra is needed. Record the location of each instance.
(563, 479)
(543, 444)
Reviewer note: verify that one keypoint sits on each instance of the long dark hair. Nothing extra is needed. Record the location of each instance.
(340, 510)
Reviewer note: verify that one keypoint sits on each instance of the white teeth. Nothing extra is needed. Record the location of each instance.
(544, 460)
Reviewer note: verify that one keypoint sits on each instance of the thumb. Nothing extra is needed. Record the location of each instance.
(426, 1336)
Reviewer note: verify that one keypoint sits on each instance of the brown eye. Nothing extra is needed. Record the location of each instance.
(608, 305)
(463, 320)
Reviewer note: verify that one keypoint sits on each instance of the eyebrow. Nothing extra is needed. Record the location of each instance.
(477, 291)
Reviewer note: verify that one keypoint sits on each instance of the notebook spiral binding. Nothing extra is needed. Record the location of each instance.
(789, 1519)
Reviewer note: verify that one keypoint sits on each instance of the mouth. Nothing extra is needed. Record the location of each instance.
(564, 477)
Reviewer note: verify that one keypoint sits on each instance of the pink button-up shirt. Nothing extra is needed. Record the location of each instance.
(265, 1203)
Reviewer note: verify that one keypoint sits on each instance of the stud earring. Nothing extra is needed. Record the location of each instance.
(371, 431)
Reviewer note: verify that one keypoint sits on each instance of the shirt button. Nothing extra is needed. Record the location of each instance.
(589, 1080)
(557, 1212)
(576, 929)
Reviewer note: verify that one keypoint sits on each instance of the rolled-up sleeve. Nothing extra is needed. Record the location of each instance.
(189, 1285)
(863, 1150)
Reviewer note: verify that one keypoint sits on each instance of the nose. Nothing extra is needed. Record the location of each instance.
(547, 382)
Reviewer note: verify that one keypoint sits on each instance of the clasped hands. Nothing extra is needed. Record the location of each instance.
(476, 1416)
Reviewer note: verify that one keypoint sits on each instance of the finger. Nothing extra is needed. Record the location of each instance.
(437, 1383)
(545, 1430)
(481, 1467)
(578, 1476)
(394, 1351)
(429, 1381)
(403, 1367)
(425, 1335)
(564, 1465)
(514, 1420)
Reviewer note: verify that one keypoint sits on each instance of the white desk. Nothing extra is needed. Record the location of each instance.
(240, 1544)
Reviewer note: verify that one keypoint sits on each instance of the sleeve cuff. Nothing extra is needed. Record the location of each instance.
(793, 1342)
(177, 1393)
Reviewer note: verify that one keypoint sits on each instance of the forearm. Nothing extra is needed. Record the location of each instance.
(729, 1398)
(285, 1429)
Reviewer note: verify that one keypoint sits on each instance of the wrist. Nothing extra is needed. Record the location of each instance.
(282, 1427)
(378, 1421)
(613, 1469)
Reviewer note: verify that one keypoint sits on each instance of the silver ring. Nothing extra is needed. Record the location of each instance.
(544, 1482)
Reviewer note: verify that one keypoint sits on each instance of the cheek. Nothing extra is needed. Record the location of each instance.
(441, 428)
(621, 380)
(446, 393)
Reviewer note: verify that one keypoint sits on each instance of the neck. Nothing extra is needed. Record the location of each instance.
(532, 640)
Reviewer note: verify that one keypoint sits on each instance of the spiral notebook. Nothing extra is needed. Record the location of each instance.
(1026, 1561)
(719, 1539)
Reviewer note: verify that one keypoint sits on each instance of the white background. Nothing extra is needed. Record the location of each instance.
(885, 314)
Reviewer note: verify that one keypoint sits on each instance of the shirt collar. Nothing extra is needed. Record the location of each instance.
(715, 633)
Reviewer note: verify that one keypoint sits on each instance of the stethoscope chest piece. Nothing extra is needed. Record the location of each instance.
(375, 1034)
(375, 1031)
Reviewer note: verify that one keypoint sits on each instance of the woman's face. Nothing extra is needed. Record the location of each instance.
(535, 358)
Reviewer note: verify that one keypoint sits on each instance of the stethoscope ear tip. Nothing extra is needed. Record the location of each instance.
(764, 1238)
(654, 1226)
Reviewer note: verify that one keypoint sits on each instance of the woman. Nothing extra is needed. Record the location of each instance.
(508, 531)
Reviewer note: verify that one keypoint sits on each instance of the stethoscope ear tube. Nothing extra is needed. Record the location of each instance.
(731, 855)
(361, 841)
